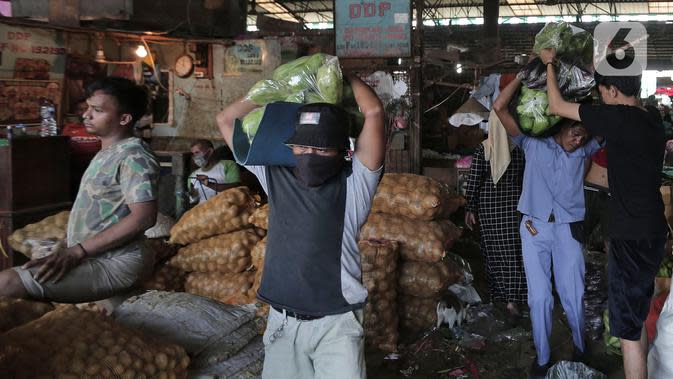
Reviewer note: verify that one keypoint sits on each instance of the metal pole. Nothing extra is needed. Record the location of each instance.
(417, 82)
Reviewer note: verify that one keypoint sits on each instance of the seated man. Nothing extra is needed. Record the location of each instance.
(213, 175)
(115, 204)
(551, 202)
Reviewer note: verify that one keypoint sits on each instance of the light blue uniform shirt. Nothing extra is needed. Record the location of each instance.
(553, 181)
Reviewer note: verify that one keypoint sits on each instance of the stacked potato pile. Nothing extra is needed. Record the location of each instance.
(411, 210)
(260, 218)
(379, 275)
(227, 212)
(39, 238)
(219, 241)
(73, 343)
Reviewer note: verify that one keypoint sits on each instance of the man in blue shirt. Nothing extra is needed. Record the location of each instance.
(552, 199)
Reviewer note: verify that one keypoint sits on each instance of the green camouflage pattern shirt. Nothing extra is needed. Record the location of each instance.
(124, 173)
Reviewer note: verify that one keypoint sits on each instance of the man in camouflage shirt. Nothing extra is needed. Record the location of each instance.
(115, 204)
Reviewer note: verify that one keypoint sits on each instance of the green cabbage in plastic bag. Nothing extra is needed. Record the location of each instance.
(330, 81)
(299, 74)
(311, 79)
(314, 97)
(533, 111)
(251, 122)
(296, 98)
(267, 91)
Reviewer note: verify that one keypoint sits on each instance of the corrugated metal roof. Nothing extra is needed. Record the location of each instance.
(321, 11)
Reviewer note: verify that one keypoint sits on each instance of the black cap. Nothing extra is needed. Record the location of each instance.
(321, 125)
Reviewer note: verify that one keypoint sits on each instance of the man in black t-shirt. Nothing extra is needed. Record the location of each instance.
(637, 226)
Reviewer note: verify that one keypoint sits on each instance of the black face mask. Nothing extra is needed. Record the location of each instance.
(314, 170)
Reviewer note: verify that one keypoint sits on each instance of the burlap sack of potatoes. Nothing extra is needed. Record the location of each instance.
(425, 279)
(258, 255)
(16, 312)
(257, 268)
(417, 313)
(233, 289)
(415, 196)
(423, 241)
(379, 275)
(226, 253)
(260, 217)
(70, 343)
(226, 212)
(382, 325)
(166, 278)
(51, 228)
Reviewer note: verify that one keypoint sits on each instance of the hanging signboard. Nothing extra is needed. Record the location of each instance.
(372, 29)
(31, 53)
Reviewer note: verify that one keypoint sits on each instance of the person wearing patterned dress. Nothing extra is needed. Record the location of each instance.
(115, 204)
(494, 207)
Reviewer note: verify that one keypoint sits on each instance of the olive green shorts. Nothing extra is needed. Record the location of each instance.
(94, 279)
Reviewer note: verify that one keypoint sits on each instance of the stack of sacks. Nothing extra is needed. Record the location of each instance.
(411, 210)
(379, 275)
(73, 343)
(215, 335)
(260, 218)
(421, 286)
(219, 240)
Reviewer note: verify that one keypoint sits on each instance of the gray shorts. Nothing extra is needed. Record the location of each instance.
(94, 279)
(331, 347)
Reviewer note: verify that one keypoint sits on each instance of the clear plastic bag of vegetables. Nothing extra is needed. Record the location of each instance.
(267, 91)
(530, 109)
(251, 122)
(574, 82)
(573, 45)
(315, 78)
